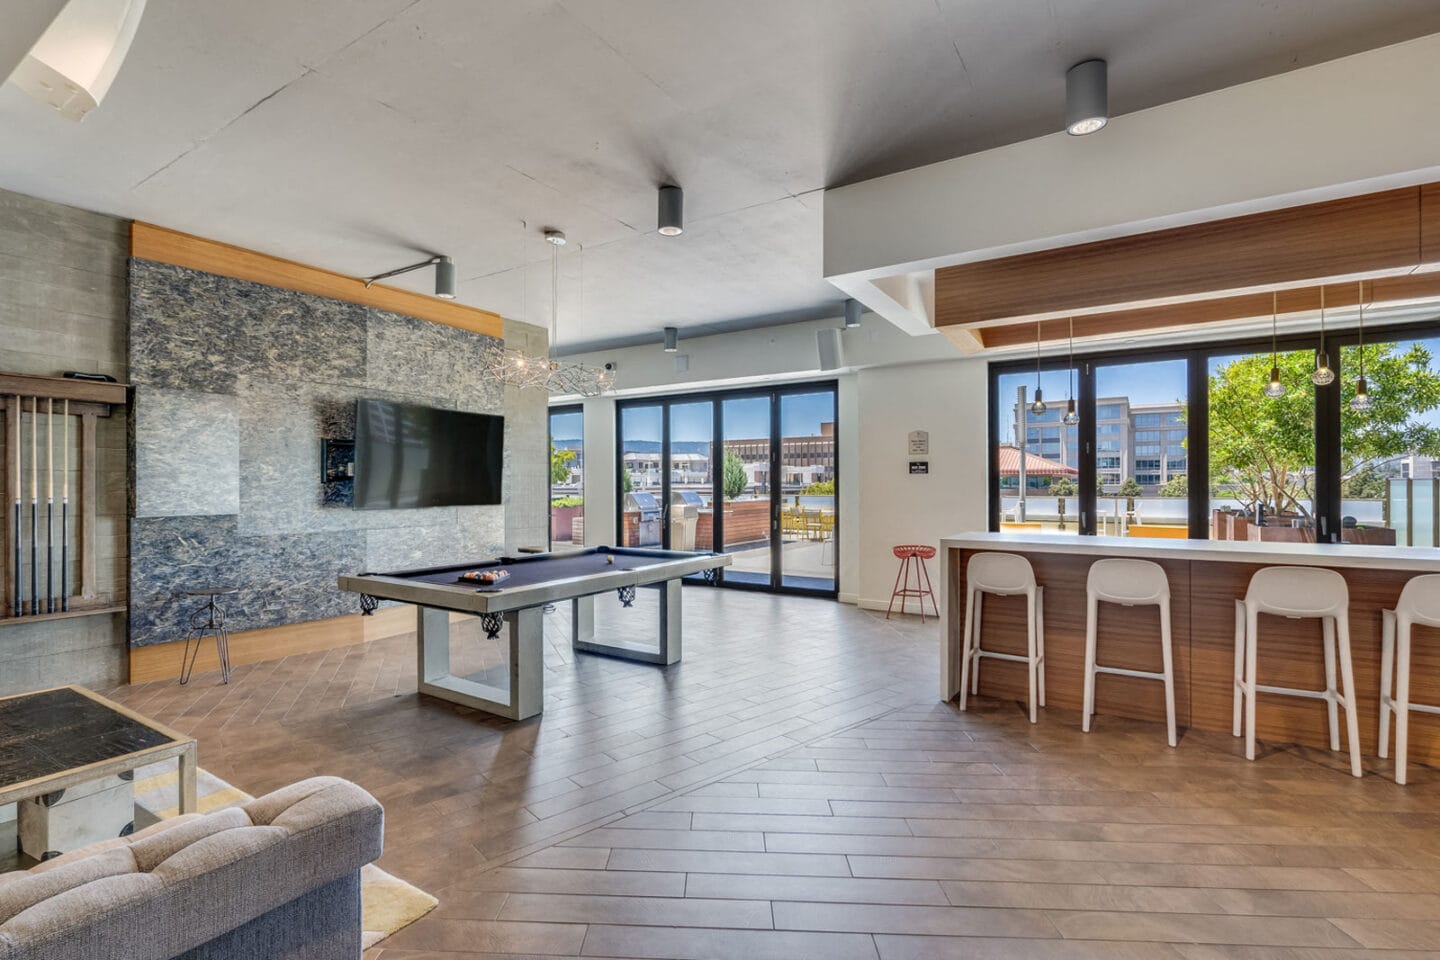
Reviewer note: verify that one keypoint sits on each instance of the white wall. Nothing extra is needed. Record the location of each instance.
(599, 477)
(948, 400)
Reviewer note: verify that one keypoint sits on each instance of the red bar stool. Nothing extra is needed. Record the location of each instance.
(913, 554)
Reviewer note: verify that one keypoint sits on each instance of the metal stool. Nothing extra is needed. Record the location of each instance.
(917, 553)
(209, 618)
(1130, 583)
(1419, 603)
(1297, 593)
(1003, 574)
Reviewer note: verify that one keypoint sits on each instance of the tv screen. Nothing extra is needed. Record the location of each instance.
(411, 456)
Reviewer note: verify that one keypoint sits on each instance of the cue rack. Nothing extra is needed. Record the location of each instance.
(49, 520)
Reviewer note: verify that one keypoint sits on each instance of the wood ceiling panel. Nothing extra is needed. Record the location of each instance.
(1374, 232)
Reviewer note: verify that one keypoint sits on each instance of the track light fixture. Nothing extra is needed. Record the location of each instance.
(1087, 97)
(1275, 389)
(671, 219)
(444, 275)
(672, 339)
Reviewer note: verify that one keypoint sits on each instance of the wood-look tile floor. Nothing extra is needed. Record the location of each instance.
(794, 790)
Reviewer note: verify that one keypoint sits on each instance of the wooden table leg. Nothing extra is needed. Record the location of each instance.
(188, 790)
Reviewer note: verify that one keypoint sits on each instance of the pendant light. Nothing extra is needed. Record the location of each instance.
(1038, 407)
(1071, 417)
(1323, 375)
(1275, 389)
(1361, 402)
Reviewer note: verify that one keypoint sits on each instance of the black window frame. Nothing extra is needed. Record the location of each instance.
(1198, 356)
(560, 408)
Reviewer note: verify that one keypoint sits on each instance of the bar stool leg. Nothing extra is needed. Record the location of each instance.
(1327, 630)
(975, 649)
(895, 590)
(1387, 679)
(929, 591)
(970, 620)
(1402, 699)
(1347, 677)
(1092, 617)
(1168, 661)
(1031, 650)
(1040, 639)
(1239, 665)
(1252, 624)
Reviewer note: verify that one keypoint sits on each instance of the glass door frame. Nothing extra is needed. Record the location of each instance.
(1327, 496)
(563, 408)
(718, 397)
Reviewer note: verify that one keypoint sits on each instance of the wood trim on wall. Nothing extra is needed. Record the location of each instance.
(1368, 234)
(161, 661)
(149, 242)
(1417, 286)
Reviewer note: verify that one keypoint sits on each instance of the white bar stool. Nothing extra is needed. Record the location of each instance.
(1130, 583)
(1419, 603)
(1005, 575)
(1297, 593)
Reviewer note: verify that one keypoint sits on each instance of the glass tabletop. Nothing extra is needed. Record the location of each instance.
(51, 731)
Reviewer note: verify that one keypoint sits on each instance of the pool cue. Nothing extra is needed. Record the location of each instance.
(14, 411)
(49, 504)
(65, 509)
(35, 506)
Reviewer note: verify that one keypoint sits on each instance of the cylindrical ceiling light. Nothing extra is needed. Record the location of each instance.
(672, 339)
(1087, 97)
(72, 65)
(852, 314)
(672, 211)
(445, 278)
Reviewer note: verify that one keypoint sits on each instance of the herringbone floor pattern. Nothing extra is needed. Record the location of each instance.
(794, 790)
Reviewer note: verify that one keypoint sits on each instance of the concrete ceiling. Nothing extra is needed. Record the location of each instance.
(357, 134)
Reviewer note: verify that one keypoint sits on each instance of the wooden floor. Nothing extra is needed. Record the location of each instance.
(794, 790)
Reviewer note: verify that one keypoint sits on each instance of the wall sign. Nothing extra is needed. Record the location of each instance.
(919, 466)
(919, 443)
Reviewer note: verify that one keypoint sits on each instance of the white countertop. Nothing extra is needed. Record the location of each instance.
(1418, 559)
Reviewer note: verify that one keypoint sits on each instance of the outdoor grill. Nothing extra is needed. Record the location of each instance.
(684, 518)
(648, 507)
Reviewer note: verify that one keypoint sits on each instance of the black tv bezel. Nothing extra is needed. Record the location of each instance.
(360, 465)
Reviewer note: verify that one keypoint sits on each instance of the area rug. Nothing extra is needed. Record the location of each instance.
(388, 903)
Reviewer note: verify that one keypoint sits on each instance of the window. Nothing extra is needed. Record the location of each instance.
(1037, 480)
(567, 476)
(1142, 436)
(1109, 411)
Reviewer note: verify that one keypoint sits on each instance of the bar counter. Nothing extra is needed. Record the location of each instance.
(1206, 578)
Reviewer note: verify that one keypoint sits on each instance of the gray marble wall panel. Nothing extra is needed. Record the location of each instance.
(291, 366)
(187, 453)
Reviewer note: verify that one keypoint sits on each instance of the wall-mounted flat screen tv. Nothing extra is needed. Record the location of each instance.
(412, 456)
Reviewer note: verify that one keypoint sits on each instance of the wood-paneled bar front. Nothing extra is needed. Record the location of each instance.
(1206, 578)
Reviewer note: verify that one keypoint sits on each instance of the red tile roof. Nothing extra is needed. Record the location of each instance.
(1034, 466)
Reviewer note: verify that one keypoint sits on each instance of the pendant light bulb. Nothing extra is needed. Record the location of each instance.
(1323, 375)
(1038, 407)
(1275, 389)
(1361, 401)
(1071, 416)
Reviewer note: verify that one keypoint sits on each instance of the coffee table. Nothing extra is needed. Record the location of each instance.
(54, 739)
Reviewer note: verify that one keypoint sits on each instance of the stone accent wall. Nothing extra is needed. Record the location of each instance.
(62, 307)
(236, 383)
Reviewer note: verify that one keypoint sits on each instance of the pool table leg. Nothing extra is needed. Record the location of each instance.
(526, 694)
(582, 629)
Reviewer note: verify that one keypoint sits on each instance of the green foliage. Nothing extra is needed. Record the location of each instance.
(1262, 450)
(627, 482)
(820, 488)
(1130, 487)
(567, 502)
(733, 480)
(560, 461)
(1367, 483)
(1176, 486)
(1063, 487)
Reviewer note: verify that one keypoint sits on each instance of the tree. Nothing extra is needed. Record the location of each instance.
(733, 480)
(627, 482)
(560, 461)
(1176, 486)
(1063, 487)
(1367, 483)
(1130, 487)
(1262, 450)
(820, 488)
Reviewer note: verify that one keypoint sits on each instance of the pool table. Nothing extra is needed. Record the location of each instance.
(516, 604)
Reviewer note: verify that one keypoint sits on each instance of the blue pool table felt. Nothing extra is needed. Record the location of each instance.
(544, 567)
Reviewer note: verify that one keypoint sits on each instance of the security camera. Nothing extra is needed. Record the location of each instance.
(610, 365)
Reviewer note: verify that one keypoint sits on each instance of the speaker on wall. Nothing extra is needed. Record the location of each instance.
(832, 357)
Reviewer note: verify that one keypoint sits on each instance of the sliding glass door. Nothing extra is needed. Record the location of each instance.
(749, 473)
(567, 472)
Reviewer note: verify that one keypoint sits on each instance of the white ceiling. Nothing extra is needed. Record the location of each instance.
(357, 134)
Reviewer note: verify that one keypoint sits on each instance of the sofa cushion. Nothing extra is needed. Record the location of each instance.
(155, 848)
(332, 797)
(25, 889)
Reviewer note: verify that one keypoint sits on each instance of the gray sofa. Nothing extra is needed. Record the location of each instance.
(275, 879)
